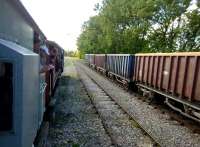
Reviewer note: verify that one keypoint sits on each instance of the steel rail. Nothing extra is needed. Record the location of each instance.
(157, 142)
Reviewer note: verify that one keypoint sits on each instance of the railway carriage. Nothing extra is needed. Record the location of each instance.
(173, 76)
(176, 76)
(91, 59)
(120, 66)
(100, 62)
(87, 58)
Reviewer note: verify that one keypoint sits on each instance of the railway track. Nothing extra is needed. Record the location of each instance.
(159, 104)
(121, 126)
(164, 129)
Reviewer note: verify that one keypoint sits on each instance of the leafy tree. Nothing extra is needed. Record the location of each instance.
(130, 26)
(189, 37)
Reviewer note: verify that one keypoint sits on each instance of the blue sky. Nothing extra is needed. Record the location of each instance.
(61, 20)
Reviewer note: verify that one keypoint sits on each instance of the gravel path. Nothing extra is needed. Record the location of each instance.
(123, 131)
(76, 123)
(169, 133)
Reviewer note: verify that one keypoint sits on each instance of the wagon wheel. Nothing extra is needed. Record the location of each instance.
(125, 85)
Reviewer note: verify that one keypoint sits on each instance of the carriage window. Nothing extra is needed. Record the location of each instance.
(6, 96)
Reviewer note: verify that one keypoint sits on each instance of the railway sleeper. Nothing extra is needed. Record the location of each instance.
(116, 121)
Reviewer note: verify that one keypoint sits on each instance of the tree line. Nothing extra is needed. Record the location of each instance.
(135, 26)
(71, 53)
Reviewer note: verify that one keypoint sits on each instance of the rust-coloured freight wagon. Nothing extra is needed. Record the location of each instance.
(91, 58)
(173, 75)
(100, 62)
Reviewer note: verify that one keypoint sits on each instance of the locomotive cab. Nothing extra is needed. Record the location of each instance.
(19, 95)
(6, 95)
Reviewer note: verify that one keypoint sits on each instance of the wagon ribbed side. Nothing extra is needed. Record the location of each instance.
(120, 65)
(174, 75)
(87, 58)
(100, 61)
(91, 58)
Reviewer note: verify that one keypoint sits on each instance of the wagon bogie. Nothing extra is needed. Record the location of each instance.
(186, 110)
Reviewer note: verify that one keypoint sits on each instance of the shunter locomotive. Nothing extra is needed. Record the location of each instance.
(29, 68)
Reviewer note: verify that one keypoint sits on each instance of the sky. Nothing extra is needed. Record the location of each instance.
(61, 20)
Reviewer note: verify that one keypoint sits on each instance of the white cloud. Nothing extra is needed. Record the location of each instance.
(61, 20)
